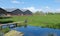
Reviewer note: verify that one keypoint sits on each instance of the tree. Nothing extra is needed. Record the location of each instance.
(50, 13)
(37, 13)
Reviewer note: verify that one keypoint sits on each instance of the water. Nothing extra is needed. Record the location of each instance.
(37, 31)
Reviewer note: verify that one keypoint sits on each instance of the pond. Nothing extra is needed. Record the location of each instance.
(37, 31)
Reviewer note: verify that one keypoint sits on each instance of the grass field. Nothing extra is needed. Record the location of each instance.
(48, 20)
(45, 21)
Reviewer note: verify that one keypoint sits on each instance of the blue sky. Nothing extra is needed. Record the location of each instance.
(33, 5)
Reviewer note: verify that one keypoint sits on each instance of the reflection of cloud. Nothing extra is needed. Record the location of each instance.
(33, 9)
(17, 2)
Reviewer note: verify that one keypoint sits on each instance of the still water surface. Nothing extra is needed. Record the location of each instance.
(37, 31)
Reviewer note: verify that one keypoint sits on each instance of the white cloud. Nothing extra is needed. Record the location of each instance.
(58, 10)
(17, 2)
(33, 9)
(2, 7)
(49, 9)
(45, 9)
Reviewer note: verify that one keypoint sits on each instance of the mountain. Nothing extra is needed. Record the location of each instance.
(2, 11)
(17, 11)
(27, 12)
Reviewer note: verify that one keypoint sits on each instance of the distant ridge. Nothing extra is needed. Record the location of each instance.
(2, 11)
(27, 12)
(15, 12)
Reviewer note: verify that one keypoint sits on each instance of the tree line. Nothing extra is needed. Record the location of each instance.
(46, 13)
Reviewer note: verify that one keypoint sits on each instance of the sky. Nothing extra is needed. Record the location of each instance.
(32, 5)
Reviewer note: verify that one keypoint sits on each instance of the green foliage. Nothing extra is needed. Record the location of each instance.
(39, 13)
(5, 30)
(50, 13)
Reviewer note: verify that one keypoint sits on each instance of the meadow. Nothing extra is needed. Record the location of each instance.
(51, 21)
(48, 21)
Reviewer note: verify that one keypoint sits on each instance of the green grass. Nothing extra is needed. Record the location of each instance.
(5, 20)
(46, 21)
(36, 20)
(5, 30)
(49, 19)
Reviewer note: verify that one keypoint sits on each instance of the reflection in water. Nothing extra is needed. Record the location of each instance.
(37, 31)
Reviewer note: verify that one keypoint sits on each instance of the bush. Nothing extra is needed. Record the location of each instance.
(3, 22)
